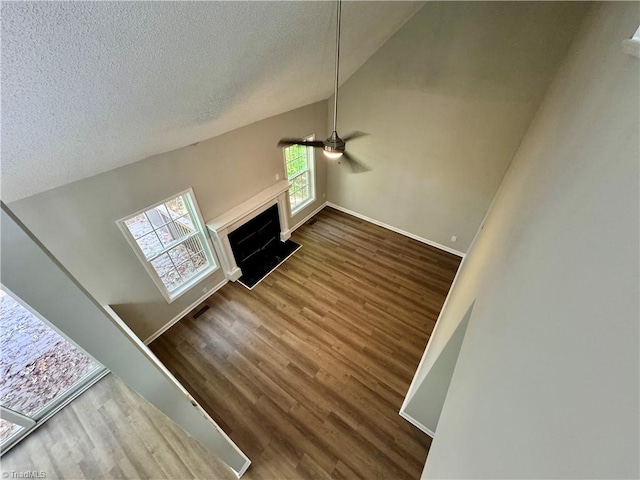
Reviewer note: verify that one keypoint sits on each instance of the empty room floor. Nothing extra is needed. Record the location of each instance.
(307, 372)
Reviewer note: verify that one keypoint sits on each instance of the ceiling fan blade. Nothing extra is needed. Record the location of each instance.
(285, 142)
(353, 136)
(355, 165)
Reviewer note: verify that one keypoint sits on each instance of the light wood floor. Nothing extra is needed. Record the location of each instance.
(111, 432)
(306, 373)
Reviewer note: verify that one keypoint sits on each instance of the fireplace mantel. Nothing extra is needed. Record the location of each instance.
(221, 226)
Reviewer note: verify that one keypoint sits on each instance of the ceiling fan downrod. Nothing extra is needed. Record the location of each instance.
(334, 146)
(335, 89)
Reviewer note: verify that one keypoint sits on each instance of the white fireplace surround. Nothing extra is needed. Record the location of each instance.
(220, 227)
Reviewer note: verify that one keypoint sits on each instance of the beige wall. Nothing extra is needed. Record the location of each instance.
(446, 102)
(547, 381)
(77, 221)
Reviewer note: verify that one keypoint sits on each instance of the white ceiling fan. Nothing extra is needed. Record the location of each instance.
(334, 146)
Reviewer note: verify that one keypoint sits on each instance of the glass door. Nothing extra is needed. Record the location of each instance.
(13, 425)
(40, 371)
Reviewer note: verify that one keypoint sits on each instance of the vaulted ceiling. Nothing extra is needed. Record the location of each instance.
(90, 86)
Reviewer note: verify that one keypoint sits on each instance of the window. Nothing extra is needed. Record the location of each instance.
(298, 162)
(170, 240)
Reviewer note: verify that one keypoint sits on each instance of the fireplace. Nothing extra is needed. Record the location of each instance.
(253, 238)
(257, 248)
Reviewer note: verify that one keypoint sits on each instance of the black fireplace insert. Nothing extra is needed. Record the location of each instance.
(257, 247)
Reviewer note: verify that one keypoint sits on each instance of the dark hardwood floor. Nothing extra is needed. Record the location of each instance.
(307, 372)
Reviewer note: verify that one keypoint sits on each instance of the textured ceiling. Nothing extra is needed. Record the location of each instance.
(90, 86)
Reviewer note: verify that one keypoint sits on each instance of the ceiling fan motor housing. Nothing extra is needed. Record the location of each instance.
(334, 144)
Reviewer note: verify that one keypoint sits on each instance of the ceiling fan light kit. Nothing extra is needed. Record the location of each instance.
(334, 146)
(332, 155)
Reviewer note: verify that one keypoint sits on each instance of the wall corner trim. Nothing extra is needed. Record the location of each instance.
(416, 423)
(175, 319)
(397, 230)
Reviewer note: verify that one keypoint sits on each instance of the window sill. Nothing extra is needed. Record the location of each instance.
(302, 206)
(170, 297)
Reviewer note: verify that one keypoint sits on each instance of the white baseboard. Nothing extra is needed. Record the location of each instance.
(175, 319)
(416, 423)
(312, 214)
(397, 230)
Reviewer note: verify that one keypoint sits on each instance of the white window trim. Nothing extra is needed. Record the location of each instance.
(194, 210)
(632, 45)
(311, 162)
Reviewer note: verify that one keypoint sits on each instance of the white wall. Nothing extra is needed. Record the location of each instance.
(547, 381)
(76, 222)
(446, 102)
